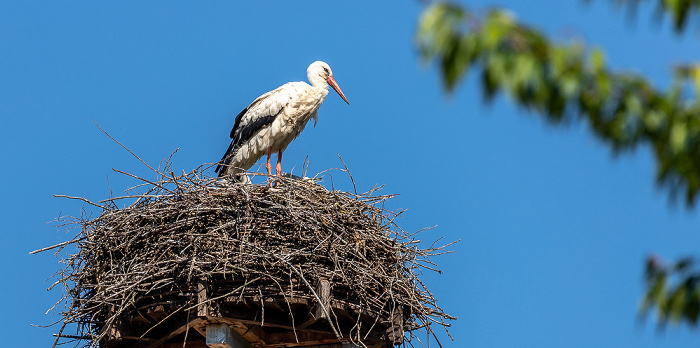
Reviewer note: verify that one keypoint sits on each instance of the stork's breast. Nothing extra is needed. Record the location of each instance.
(293, 118)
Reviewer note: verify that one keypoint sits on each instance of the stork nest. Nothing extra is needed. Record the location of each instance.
(247, 241)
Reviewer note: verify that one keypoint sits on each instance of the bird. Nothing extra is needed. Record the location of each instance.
(273, 120)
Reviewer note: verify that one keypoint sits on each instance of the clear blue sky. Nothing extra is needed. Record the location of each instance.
(553, 227)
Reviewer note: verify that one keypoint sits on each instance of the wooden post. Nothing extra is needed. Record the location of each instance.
(395, 331)
(323, 290)
(223, 336)
(202, 298)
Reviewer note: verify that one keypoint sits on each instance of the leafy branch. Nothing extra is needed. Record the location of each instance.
(673, 290)
(567, 81)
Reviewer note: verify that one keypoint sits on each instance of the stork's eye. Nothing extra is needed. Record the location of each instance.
(326, 70)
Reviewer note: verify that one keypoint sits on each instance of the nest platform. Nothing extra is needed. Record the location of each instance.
(189, 258)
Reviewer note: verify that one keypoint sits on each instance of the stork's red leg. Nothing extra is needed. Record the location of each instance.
(268, 166)
(279, 164)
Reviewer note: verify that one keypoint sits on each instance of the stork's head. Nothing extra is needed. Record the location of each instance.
(320, 73)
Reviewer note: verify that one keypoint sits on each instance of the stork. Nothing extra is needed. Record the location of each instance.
(274, 119)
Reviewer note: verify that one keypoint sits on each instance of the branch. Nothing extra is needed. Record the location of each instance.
(567, 82)
(126, 148)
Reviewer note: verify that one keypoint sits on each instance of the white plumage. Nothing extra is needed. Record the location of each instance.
(274, 119)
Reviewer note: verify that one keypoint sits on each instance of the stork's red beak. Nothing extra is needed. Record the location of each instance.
(331, 81)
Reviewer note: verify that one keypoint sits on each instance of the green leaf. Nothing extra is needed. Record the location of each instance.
(679, 134)
(597, 60)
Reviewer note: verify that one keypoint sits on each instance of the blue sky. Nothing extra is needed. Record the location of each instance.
(553, 227)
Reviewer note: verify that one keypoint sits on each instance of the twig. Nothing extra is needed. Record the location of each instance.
(125, 148)
(350, 175)
(82, 199)
(158, 185)
(56, 246)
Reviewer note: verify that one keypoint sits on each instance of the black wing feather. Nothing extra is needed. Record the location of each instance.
(237, 121)
(247, 130)
(240, 133)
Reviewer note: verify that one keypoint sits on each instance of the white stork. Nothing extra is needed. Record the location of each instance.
(274, 119)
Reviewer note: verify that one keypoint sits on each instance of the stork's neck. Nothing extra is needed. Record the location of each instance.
(317, 81)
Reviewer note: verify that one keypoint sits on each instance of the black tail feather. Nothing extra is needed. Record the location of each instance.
(225, 160)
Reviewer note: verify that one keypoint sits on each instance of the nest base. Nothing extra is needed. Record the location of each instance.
(161, 322)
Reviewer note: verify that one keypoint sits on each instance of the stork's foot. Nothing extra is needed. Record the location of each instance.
(273, 181)
(277, 180)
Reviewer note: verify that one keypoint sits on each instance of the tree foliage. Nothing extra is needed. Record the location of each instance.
(569, 81)
(673, 290)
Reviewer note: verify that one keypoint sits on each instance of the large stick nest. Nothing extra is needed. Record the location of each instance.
(248, 241)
